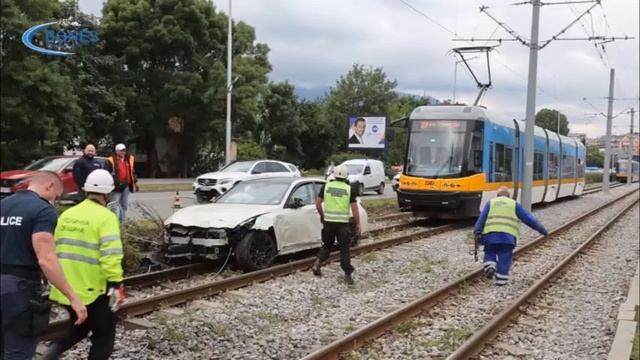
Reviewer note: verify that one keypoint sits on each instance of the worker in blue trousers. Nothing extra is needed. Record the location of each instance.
(498, 228)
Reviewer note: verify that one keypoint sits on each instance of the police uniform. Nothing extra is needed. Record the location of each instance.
(338, 195)
(498, 226)
(21, 215)
(89, 247)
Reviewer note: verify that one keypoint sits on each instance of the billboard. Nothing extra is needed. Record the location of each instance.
(366, 132)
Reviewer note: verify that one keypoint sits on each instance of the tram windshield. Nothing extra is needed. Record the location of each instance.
(436, 148)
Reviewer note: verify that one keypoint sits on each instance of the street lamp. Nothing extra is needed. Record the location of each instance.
(227, 148)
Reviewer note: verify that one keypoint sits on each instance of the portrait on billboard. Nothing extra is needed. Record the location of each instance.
(367, 132)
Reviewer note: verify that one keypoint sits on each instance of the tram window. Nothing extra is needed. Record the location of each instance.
(553, 165)
(537, 166)
(504, 159)
(568, 167)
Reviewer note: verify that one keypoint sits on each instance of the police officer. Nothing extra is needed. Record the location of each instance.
(90, 251)
(338, 197)
(27, 223)
(498, 226)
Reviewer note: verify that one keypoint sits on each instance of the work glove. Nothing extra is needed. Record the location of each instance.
(116, 295)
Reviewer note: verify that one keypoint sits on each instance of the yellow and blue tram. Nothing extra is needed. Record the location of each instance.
(458, 156)
(622, 170)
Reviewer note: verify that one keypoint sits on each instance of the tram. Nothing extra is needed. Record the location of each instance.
(458, 156)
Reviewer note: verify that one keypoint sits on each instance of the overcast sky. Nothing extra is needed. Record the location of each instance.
(313, 42)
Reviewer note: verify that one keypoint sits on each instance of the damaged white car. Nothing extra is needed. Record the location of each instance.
(255, 221)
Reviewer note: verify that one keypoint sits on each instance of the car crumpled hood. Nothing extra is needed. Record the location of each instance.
(16, 174)
(223, 175)
(217, 215)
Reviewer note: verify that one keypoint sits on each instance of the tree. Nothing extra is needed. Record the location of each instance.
(282, 124)
(174, 52)
(363, 91)
(317, 127)
(548, 119)
(38, 106)
(401, 107)
(595, 157)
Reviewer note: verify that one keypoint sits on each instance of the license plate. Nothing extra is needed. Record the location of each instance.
(205, 188)
(5, 190)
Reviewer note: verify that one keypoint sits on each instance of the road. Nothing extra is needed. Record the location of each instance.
(162, 201)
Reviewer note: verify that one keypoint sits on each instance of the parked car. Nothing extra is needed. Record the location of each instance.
(255, 221)
(367, 174)
(14, 180)
(210, 185)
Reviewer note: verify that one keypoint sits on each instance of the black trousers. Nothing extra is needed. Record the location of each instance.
(102, 324)
(341, 231)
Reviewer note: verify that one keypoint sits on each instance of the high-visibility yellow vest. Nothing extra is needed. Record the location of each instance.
(502, 217)
(89, 248)
(336, 201)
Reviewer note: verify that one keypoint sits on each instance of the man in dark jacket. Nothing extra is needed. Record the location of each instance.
(83, 167)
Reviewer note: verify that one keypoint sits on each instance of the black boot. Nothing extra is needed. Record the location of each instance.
(316, 268)
(53, 352)
(349, 280)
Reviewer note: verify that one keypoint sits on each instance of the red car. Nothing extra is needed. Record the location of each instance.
(14, 180)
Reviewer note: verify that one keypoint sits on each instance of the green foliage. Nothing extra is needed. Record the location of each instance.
(282, 125)
(250, 151)
(595, 157)
(548, 119)
(341, 157)
(593, 178)
(407, 327)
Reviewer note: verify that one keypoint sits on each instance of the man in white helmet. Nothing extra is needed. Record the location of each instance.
(90, 251)
(339, 197)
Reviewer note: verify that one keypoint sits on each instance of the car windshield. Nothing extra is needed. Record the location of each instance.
(354, 169)
(48, 164)
(240, 166)
(435, 148)
(255, 193)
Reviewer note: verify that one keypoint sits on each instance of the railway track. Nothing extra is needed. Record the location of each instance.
(484, 335)
(382, 325)
(177, 297)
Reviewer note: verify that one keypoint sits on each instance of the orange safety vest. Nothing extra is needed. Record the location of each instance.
(131, 161)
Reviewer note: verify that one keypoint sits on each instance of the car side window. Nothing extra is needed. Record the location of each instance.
(276, 167)
(367, 170)
(260, 168)
(305, 193)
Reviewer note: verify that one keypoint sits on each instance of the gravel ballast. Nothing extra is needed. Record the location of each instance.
(289, 317)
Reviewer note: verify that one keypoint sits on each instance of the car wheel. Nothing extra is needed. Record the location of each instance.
(361, 189)
(255, 251)
(381, 189)
(202, 198)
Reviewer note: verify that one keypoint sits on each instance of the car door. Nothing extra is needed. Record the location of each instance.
(299, 228)
(66, 175)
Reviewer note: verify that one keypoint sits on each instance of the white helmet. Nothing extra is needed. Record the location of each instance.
(99, 181)
(341, 172)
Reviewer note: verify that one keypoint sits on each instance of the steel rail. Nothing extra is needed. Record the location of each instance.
(172, 298)
(477, 341)
(390, 320)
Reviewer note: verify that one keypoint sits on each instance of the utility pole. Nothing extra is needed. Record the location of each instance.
(227, 148)
(558, 127)
(630, 151)
(527, 174)
(534, 46)
(607, 142)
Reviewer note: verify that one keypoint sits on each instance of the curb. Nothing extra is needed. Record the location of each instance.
(627, 321)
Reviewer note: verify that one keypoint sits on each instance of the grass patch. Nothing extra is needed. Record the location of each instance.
(635, 352)
(268, 316)
(313, 172)
(379, 207)
(406, 327)
(591, 178)
(316, 301)
(220, 329)
(421, 265)
(165, 187)
(369, 257)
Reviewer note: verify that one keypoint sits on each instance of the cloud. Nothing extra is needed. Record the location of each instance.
(313, 42)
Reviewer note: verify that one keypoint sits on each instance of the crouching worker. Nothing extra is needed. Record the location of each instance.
(338, 197)
(498, 228)
(90, 251)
